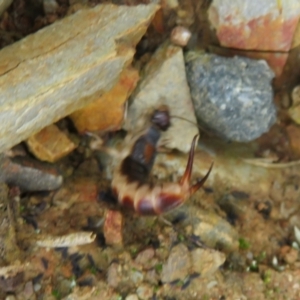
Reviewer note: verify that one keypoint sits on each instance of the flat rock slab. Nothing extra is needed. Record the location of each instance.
(165, 82)
(65, 66)
(232, 97)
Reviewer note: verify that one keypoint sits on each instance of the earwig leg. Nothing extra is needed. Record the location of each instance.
(165, 221)
(194, 188)
(188, 170)
(111, 152)
(97, 144)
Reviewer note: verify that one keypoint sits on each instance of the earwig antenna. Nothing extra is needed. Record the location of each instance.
(196, 124)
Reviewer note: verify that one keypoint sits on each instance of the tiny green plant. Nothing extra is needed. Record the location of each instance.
(267, 277)
(181, 237)
(158, 268)
(56, 294)
(243, 244)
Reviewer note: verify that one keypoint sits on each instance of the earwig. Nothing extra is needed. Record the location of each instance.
(130, 182)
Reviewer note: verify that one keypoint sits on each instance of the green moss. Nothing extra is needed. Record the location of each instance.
(244, 245)
(181, 238)
(269, 293)
(93, 270)
(267, 277)
(261, 257)
(158, 268)
(156, 288)
(133, 251)
(56, 294)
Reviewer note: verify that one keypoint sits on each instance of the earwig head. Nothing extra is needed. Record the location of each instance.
(161, 118)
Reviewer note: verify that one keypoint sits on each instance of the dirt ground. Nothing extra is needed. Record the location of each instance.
(237, 238)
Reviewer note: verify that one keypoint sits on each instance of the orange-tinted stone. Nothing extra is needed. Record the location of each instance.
(158, 22)
(112, 228)
(107, 112)
(50, 144)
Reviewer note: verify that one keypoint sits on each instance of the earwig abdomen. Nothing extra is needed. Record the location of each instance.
(133, 191)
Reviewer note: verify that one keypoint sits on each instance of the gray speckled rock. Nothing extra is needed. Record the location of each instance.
(233, 97)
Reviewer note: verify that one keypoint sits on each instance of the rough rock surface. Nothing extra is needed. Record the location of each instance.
(165, 82)
(275, 60)
(232, 96)
(65, 66)
(246, 24)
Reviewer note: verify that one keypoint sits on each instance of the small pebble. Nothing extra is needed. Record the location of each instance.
(152, 277)
(296, 95)
(112, 229)
(177, 265)
(37, 287)
(206, 261)
(289, 254)
(50, 6)
(180, 36)
(144, 292)
(28, 291)
(50, 144)
(136, 276)
(113, 275)
(144, 258)
(132, 297)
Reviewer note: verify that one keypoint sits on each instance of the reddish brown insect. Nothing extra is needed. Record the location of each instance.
(130, 182)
